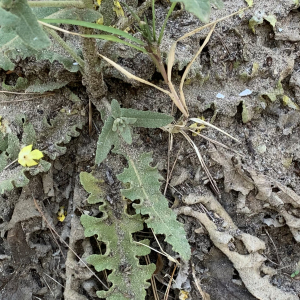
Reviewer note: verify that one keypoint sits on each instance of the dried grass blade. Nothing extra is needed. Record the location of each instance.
(210, 24)
(171, 58)
(199, 121)
(131, 76)
(182, 98)
(216, 142)
(203, 165)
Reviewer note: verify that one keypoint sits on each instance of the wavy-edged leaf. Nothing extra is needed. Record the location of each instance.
(145, 187)
(11, 179)
(60, 131)
(12, 47)
(128, 277)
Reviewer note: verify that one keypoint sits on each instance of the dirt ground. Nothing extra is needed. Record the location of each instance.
(245, 243)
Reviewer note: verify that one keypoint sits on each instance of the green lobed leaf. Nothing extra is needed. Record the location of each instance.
(145, 187)
(20, 85)
(11, 179)
(60, 131)
(12, 48)
(92, 185)
(28, 28)
(128, 277)
(42, 87)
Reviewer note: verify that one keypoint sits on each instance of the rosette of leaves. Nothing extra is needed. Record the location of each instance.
(128, 276)
(118, 127)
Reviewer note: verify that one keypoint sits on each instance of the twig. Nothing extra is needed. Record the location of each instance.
(10, 164)
(54, 280)
(153, 283)
(48, 286)
(202, 293)
(169, 284)
(169, 175)
(169, 257)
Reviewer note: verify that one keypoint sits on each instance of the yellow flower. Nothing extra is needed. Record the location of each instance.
(197, 127)
(118, 9)
(99, 2)
(61, 214)
(27, 157)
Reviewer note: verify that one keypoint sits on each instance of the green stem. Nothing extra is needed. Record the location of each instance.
(153, 20)
(165, 22)
(61, 4)
(65, 46)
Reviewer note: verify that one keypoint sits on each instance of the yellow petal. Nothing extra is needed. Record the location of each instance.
(118, 9)
(30, 162)
(36, 154)
(27, 157)
(26, 150)
(61, 214)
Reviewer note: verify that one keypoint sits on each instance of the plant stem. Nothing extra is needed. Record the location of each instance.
(93, 77)
(156, 58)
(165, 22)
(77, 4)
(65, 46)
(153, 20)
